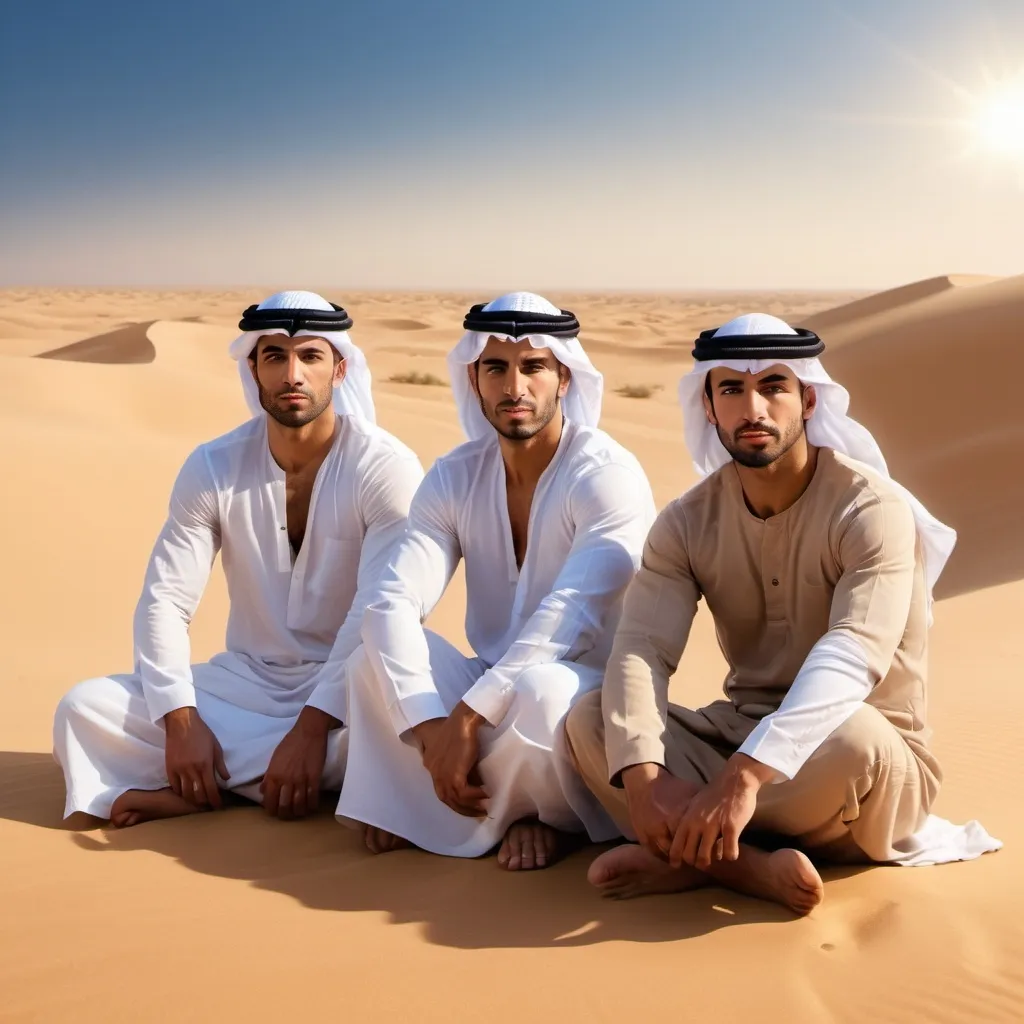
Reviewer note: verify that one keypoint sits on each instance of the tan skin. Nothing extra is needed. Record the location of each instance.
(689, 835)
(296, 378)
(520, 389)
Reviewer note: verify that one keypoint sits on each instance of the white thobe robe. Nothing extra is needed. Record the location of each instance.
(541, 635)
(293, 622)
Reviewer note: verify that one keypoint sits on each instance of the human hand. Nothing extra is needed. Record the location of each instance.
(291, 784)
(192, 756)
(711, 825)
(450, 749)
(656, 800)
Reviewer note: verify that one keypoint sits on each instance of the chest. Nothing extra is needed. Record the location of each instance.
(766, 571)
(520, 502)
(298, 493)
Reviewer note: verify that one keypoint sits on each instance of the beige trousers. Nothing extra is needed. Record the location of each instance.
(862, 790)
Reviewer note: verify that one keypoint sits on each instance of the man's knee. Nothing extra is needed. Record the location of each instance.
(584, 734)
(866, 739)
(541, 697)
(86, 699)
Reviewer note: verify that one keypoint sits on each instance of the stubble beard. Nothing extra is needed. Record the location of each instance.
(295, 418)
(522, 431)
(758, 459)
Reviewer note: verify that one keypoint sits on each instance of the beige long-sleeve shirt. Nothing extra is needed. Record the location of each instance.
(817, 609)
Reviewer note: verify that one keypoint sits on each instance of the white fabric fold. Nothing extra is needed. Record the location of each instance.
(353, 397)
(582, 402)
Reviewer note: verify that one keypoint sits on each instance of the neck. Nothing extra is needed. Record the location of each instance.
(294, 448)
(769, 490)
(526, 460)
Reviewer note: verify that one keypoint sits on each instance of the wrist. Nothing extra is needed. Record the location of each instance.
(639, 776)
(468, 719)
(750, 772)
(426, 729)
(314, 722)
(180, 718)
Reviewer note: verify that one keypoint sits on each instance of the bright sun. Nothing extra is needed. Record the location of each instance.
(999, 121)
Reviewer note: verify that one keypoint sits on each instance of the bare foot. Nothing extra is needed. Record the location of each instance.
(530, 844)
(785, 876)
(139, 805)
(629, 871)
(379, 841)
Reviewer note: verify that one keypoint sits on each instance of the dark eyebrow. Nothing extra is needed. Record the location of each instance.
(494, 361)
(774, 378)
(730, 383)
(272, 348)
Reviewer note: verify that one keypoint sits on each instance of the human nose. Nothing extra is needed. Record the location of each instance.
(755, 406)
(295, 369)
(515, 383)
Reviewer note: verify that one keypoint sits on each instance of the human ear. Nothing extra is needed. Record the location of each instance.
(709, 410)
(472, 371)
(810, 401)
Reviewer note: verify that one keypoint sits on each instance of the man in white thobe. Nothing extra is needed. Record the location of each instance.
(455, 754)
(305, 503)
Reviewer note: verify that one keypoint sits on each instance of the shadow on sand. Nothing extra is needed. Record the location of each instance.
(468, 904)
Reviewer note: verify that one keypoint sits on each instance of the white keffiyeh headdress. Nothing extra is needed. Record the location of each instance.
(829, 426)
(353, 397)
(515, 317)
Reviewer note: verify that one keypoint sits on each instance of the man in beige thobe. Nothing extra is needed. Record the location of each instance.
(818, 570)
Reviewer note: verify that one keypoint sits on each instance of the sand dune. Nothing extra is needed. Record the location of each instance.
(235, 917)
(895, 298)
(127, 345)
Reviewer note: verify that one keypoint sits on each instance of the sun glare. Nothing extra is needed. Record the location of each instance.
(1000, 121)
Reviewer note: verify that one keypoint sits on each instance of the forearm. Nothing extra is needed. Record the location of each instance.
(163, 657)
(635, 705)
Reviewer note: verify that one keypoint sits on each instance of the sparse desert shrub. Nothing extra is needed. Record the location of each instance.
(416, 377)
(638, 390)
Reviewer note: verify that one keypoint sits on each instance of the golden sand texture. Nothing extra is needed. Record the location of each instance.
(235, 917)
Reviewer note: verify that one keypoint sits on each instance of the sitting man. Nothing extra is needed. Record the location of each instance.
(456, 754)
(306, 501)
(818, 571)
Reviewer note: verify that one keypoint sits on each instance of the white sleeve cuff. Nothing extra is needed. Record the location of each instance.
(415, 709)
(490, 696)
(161, 700)
(331, 696)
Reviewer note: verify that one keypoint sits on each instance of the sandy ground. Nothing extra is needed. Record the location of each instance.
(235, 917)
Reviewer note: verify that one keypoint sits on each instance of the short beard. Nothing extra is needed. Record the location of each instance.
(753, 459)
(295, 418)
(523, 431)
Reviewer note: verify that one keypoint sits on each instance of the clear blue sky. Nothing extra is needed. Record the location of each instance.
(537, 143)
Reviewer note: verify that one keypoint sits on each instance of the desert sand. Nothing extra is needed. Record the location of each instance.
(236, 917)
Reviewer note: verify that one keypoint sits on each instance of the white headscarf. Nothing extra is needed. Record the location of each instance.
(582, 401)
(352, 398)
(828, 427)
